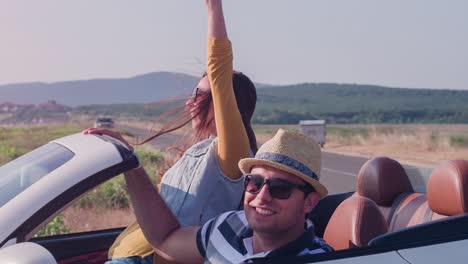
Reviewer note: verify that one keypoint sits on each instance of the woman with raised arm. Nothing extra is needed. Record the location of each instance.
(206, 180)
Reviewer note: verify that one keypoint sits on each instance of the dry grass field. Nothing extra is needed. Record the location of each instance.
(414, 144)
(87, 219)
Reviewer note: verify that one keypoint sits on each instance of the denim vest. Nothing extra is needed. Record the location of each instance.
(195, 188)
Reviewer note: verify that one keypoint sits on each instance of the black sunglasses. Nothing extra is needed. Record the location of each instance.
(278, 188)
(197, 92)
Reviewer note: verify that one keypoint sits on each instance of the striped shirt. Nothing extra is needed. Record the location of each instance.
(228, 239)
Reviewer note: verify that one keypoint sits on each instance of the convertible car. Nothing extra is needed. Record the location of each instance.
(393, 216)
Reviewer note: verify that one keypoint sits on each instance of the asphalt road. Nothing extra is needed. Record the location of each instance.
(339, 171)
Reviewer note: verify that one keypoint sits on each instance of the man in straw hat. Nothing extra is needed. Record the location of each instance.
(281, 186)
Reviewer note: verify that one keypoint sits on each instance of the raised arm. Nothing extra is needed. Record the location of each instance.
(216, 24)
(233, 143)
(159, 225)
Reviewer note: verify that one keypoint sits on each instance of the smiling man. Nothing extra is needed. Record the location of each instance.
(281, 186)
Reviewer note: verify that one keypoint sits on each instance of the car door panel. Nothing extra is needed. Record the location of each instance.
(439, 253)
(86, 247)
(382, 258)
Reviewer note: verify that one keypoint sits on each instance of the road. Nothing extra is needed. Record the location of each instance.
(339, 171)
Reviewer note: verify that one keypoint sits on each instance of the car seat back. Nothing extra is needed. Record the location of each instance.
(354, 223)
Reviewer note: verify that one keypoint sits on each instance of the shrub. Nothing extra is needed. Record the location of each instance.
(54, 227)
(113, 193)
(459, 141)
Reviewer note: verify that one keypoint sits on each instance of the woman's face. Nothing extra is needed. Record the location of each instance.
(193, 104)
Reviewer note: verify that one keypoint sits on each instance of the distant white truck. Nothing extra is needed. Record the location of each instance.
(315, 129)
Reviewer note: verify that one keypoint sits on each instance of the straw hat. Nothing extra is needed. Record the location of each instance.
(291, 152)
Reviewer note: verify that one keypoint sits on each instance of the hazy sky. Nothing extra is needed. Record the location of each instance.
(401, 43)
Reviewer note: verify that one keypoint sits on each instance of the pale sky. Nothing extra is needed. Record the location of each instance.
(400, 43)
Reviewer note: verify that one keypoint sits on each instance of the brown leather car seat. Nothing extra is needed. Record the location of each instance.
(354, 223)
(384, 192)
(447, 192)
(384, 181)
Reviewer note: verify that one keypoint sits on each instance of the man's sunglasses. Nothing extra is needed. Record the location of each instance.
(278, 188)
(198, 92)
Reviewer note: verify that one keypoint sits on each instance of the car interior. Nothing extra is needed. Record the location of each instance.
(384, 213)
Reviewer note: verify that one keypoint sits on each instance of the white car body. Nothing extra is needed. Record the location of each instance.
(90, 156)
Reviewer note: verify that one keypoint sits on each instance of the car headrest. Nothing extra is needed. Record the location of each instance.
(447, 190)
(354, 223)
(382, 179)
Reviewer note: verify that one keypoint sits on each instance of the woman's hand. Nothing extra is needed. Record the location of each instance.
(102, 131)
(216, 25)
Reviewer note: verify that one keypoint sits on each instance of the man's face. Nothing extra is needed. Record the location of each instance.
(269, 215)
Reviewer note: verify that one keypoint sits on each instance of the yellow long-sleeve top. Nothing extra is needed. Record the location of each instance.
(232, 145)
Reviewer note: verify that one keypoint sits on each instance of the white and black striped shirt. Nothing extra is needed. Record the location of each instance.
(228, 239)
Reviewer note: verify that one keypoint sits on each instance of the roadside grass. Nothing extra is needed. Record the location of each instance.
(419, 144)
(106, 206)
(426, 145)
(348, 133)
(112, 194)
(55, 227)
(4, 116)
(459, 141)
(265, 132)
(15, 142)
(77, 219)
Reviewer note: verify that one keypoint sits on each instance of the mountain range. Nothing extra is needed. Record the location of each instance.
(338, 103)
(143, 88)
(139, 89)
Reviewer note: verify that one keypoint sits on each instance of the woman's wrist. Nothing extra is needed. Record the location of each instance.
(140, 164)
(138, 167)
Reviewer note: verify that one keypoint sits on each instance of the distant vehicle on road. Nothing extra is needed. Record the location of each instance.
(315, 129)
(104, 122)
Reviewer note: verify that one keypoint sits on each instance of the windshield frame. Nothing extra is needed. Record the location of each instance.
(18, 175)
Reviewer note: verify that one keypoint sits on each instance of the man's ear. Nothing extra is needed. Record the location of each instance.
(311, 201)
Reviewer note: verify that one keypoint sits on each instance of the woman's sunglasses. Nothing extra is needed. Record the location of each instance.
(199, 92)
(278, 188)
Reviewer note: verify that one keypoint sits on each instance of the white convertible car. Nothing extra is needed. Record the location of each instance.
(389, 219)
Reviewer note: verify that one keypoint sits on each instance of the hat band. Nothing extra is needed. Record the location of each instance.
(289, 162)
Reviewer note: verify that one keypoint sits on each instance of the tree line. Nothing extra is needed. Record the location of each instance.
(336, 103)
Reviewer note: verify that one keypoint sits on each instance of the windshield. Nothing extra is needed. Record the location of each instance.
(19, 174)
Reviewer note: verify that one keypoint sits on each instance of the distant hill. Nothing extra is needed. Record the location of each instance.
(337, 103)
(141, 96)
(144, 88)
(139, 89)
(352, 103)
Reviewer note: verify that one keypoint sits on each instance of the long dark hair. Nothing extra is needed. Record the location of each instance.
(178, 117)
(246, 98)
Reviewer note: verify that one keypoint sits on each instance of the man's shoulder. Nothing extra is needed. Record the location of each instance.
(222, 237)
(318, 243)
(306, 244)
(234, 219)
(315, 244)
